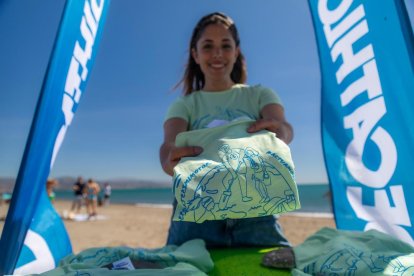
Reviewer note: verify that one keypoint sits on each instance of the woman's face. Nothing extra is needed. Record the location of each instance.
(216, 53)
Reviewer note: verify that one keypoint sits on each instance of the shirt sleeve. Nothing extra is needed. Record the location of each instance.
(178, 109)
(268, 96)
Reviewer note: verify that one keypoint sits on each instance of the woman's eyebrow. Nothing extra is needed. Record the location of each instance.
(207, 40)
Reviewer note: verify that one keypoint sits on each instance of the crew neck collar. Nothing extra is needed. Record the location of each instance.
(222, 91)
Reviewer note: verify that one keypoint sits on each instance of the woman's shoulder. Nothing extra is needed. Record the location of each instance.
(183, 99)
(263, 94)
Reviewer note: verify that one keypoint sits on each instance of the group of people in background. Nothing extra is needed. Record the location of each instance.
(89, 194)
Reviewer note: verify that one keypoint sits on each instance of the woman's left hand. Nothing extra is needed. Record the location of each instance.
(273, 119)
(272, 125)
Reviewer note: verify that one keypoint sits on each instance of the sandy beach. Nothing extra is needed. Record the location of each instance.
(147, 225)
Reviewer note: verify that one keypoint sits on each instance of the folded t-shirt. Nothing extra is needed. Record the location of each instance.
(335, 252)
(238, 175)
(190, 258)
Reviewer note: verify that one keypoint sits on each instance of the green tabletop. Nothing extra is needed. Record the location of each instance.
(242, 261)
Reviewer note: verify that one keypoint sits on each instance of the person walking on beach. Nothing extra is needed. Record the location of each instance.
(78, 190)
(107, 194)
(215, 91)
(92, 199)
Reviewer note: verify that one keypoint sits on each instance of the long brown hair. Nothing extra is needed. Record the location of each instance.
(193, 78)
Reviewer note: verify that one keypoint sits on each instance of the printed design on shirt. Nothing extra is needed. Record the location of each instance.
(350, 261)
(221, 116)
(243, 183)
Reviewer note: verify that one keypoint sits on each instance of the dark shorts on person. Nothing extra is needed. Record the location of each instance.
(248, 232)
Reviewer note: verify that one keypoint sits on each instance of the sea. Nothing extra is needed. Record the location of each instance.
(314, 198)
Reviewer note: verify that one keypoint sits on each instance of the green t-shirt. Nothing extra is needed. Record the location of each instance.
(203, 109)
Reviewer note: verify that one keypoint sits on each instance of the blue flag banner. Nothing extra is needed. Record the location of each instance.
(34, 238)
(46, 241)
(366, 57)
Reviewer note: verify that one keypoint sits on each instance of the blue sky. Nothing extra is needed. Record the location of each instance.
(117, 129)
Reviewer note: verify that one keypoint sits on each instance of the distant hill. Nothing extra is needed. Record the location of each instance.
(65, 183)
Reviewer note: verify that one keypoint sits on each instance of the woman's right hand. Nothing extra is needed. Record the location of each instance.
(170, 155)
(175, 154)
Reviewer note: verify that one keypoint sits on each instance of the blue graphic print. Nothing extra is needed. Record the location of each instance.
(242, 184)
(348, 260)
(221, 116)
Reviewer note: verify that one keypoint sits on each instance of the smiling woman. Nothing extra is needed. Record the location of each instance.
(215, 94)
